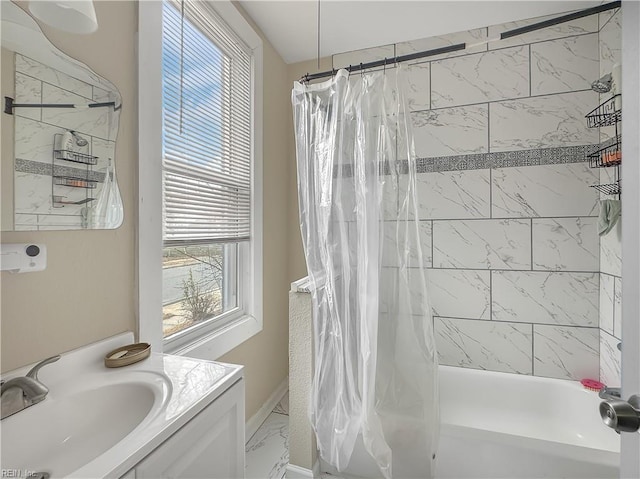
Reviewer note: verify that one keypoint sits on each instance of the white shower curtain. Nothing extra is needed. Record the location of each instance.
(374, 352)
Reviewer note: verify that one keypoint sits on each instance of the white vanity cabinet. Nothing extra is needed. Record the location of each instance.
(209, 446)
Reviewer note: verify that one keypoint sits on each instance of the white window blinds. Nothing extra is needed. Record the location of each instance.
(207, 134)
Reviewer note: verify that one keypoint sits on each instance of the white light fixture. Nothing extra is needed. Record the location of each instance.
(74, 16)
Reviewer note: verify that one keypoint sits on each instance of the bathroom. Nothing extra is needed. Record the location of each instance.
(524, 292)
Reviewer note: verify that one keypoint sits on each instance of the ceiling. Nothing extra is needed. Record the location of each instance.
(291, 26)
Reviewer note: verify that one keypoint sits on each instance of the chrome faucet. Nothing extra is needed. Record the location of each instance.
(19, 393)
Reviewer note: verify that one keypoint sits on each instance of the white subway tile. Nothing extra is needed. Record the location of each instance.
(482, 244)
(545, 190)
(454, 194)
(87, 121)
(610, 42)
(611, 251)
(566, 352)
(542, 122)
(487, 345)
(549, 298)
(566, 244)
(29, 91)
(450, 131)
(419, 88)
(606, 302)
(617, 308)
(610, 360)
(566, 64)
(459, 293)
(482, 77)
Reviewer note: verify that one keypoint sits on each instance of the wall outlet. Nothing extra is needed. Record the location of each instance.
(23, 257)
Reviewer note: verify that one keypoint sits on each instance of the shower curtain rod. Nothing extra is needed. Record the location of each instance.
(461, 46)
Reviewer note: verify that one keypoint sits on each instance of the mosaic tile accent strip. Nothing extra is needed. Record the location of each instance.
(478, 161)
(506, 159)
(38, 168)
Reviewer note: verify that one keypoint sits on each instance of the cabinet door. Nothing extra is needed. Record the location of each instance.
(210, 446)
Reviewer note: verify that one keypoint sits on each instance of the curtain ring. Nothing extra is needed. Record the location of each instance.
(349, 75)
(361, 71)
(384, 69)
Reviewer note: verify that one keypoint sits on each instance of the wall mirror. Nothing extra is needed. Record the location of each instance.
(59, 128)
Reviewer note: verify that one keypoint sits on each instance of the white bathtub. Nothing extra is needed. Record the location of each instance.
(497, 425)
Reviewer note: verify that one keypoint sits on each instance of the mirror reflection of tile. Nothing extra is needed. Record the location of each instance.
(42, 202)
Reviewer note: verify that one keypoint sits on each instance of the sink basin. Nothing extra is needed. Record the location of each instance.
(61, 434)
(99, 422)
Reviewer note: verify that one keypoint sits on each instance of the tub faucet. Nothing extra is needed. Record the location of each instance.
(609, 393)
(19, 393)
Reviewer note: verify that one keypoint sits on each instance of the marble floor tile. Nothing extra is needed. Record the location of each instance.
(267, 452)
(283, 406)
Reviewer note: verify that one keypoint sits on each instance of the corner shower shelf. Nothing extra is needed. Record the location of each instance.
(608, 189)
(59, 200)
(609, 154)
(75, 182)
(605, 114)
(76, 177)
(75, 156)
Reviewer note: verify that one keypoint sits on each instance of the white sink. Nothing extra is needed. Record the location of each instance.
(98, 422)
(61, 434)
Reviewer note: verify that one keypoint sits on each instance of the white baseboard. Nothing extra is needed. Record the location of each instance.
(297, 472)
(259, 417)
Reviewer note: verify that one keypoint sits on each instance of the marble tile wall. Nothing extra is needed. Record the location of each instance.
(518, 278)
(610, 53)
(35, 129)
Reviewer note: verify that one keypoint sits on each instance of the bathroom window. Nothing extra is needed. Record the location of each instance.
(208, 174)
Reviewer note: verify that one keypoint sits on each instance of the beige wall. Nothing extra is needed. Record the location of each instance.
(265, 356)
(87, 291)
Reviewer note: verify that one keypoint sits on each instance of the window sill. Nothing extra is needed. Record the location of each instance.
(212, 345)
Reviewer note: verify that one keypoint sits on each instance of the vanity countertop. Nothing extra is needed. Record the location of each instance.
(176, 389)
